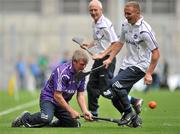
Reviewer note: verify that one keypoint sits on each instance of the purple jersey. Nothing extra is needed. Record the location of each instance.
(62, 79)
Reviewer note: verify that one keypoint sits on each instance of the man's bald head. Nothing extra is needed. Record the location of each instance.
(95, 3)
(95, 9)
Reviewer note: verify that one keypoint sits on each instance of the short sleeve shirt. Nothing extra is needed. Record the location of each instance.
(62, 79)
(103, 35)
(140, 41)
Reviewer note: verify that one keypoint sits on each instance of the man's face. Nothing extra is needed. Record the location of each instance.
(95, 12)
(131, 14)
(79, 65)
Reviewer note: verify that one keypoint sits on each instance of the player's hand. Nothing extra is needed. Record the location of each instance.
(147, 79)
(107, 63)
(87, 116)
(75, 114)
(84, 46)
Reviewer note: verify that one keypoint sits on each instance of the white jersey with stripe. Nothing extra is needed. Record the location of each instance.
(140, 41)
(103, 35)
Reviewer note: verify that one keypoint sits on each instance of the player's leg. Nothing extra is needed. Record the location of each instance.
(93, 91)
(93, 95)
(117, 104)
(122, 84)
(18, 121)
(44, 117)
(122, 96)
(136, 121)
(38, 119)
(135, 102)
(105, 76)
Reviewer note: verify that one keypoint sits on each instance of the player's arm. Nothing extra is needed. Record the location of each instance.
(114, 50)
(82, 104)
(154, 60)
(116, 47)
(61, 101)
(153, 46)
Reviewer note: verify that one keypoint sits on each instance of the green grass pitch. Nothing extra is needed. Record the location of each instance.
(164, 119)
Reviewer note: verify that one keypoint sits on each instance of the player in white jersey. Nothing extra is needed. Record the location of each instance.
(103, 36)
(140, 61)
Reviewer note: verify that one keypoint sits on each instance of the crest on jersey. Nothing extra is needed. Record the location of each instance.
(135, 36)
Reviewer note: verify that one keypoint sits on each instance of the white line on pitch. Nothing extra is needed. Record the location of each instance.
(19, 107)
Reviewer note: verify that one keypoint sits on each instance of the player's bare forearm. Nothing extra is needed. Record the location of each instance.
(154, 60)
(82, 103)
(115, 48)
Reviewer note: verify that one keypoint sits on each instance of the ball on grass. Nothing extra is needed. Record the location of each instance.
(152, 104)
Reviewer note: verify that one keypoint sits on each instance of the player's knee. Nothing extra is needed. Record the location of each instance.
(114, 93)
(120, 92)
(46, 119)
(109, 94)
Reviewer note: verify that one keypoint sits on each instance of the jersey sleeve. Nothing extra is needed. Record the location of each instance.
(149, 39)
(122, 34)
(112, 34)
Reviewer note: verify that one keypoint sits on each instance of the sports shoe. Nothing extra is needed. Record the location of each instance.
(138, 106)
(126, 118)
(136, 122)
(18, 121)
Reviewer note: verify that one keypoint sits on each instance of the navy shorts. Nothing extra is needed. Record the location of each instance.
(127, 78)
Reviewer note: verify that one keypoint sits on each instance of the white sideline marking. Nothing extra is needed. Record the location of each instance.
(19, 107)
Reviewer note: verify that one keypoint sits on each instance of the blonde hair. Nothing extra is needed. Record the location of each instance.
(134, 4)
(95, 2)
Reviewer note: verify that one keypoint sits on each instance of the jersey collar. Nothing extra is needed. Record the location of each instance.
(99, 23)
(71, 68)
(139, 22)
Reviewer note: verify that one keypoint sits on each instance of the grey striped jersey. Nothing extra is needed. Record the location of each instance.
(140, 41)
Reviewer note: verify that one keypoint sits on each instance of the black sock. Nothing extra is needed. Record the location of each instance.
(133, 100)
